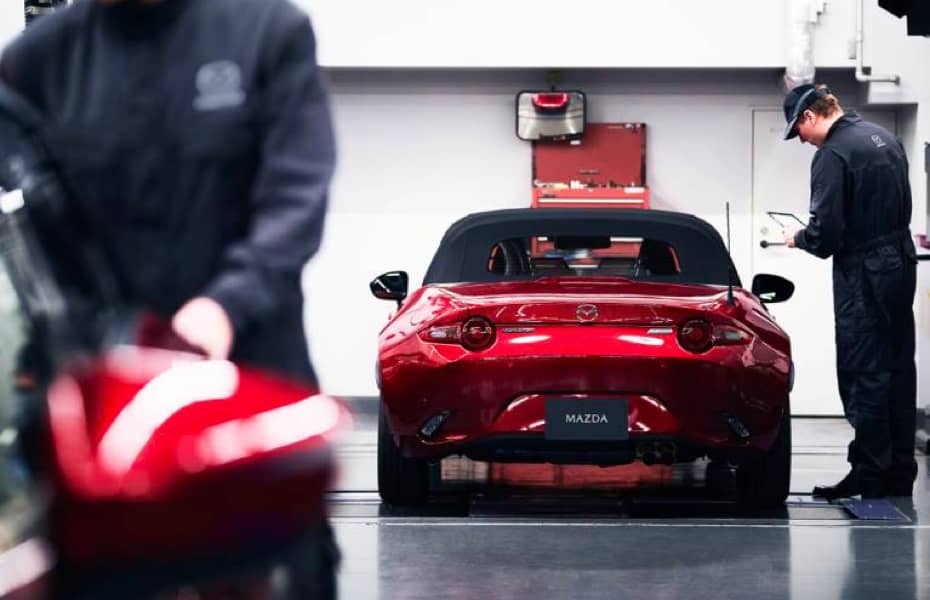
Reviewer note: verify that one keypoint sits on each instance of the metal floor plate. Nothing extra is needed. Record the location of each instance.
(874, 510)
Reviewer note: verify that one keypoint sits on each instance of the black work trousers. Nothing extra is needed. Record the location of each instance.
(873, 298)
(881, 407)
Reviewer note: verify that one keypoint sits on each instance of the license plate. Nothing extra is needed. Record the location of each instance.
(596, 419)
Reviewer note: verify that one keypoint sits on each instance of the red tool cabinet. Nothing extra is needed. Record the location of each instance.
(605, 169)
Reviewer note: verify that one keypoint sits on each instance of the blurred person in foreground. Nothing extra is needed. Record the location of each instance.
(196, 138)
(860, 215)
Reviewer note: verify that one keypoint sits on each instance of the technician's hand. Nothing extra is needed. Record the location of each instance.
(203, 323)
(789, 234)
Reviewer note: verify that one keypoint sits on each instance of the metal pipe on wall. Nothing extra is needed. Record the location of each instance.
(860, 39)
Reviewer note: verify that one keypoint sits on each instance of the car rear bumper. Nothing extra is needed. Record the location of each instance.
(490, 402)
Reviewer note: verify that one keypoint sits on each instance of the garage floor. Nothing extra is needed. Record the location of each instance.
(626, 532)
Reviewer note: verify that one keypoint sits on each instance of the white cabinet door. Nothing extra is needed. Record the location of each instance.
(781, 183)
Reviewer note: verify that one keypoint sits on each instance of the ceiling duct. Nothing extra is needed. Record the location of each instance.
(800, 68)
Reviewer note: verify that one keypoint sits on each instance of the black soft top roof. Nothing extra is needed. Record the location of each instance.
(463, 253)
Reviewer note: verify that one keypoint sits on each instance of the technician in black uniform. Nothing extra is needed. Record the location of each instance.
(860, 215)
(196, 137)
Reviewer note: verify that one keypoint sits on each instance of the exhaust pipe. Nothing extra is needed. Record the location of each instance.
(647, 454)
(738, 428)
(432, 425)
(663, 453)
(667, 453)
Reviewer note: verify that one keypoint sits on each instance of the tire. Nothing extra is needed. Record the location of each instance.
(764, 480)
(401, 480)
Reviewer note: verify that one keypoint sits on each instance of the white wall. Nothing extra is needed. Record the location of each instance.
(555, 33)
(12, 19)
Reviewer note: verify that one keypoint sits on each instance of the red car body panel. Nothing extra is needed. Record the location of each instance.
(541, 349)
(160, 454)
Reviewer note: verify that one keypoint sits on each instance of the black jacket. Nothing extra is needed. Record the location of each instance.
(860, 215)
(196, 137)
(859, 189)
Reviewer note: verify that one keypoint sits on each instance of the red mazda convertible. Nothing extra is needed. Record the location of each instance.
(584, 336)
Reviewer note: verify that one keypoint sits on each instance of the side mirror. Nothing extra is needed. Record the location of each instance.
(772, 288)
(550, 116)
(390, 286)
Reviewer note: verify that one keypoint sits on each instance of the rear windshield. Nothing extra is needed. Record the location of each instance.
(584, 256)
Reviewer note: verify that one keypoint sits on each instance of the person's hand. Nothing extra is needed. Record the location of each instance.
(789, 233)
(203, 323)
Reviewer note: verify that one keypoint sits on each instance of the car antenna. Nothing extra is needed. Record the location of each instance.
(730, 266)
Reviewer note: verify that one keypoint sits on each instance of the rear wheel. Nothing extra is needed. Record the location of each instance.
(764, 480)
(401, 480)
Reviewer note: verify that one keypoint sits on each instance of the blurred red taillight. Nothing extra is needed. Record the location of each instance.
(696, 335)
(477, 333)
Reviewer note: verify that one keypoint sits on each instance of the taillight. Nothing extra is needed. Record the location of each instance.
(725, 335)
(447, 333)
(699, 336)
(696, 335)
(477, 333)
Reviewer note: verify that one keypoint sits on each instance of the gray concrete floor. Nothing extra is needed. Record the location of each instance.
(654, 537)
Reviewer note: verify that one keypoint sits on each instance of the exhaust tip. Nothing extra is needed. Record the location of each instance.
(668, 452)
(738, 428)
(661, 453)
(432, 425)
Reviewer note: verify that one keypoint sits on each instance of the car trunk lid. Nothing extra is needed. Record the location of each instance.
(587, 301)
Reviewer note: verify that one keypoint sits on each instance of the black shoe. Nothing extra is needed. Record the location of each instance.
(844, 489)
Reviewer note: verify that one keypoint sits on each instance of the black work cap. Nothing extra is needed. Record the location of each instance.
(796, 102)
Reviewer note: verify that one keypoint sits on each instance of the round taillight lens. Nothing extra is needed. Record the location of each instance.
(696, 335)
(477, 333)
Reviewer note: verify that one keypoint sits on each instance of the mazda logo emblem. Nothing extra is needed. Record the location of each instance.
(586, 313)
